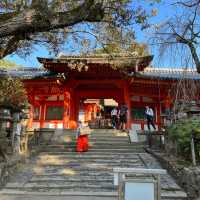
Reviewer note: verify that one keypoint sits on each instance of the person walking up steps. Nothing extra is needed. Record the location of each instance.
(114, 117)
(123, 116)
(149, 115)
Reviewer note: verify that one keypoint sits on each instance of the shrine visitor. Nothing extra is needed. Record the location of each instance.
(81, 138)
(114, 114)
(123, 116)
(150, 117)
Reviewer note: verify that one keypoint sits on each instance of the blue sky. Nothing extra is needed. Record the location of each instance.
(165, 10)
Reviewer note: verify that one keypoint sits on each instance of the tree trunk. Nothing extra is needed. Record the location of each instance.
(195, 56)
(34, 20)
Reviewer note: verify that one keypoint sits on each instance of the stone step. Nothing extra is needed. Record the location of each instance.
(124, 139)
(173, 195)
(108, 137)
(104, 185)
(77, 186)
(60, 193)
(84, 156)
(68, 162)
(73, 178)
(101, 135)
(95, 132)
(83, 173)
(92, 146)
(111, 136)
(89, 179)
(66, 170)
(59, 151)
(106, 131)
(10, 194)
(73, 167)
(88, 153)
(98, 143)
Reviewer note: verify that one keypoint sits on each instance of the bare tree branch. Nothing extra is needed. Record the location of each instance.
(182, 30)
(189, 3)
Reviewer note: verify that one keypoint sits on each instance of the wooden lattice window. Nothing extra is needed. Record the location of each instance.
(54, 113)
(138, 113)
(36, 113)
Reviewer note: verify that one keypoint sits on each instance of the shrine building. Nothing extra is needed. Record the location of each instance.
(68, 88)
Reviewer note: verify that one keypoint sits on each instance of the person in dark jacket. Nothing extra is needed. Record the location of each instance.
(123, 116)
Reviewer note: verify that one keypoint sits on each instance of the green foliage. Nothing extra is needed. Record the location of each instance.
(12, 93)
(7, 64)
(62, 25)
(181, 133)
(136, 48)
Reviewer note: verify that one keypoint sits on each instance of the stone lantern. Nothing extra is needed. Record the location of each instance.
(193, 110)
(5, 118)
(166, 120)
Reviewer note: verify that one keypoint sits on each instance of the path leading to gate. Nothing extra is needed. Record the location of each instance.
(59, 172)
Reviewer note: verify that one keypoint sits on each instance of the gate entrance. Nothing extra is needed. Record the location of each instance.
(97, 112)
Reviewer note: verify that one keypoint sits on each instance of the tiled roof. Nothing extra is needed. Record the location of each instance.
(150, 73)
(25, 73)
(172, 74)
(129, 60)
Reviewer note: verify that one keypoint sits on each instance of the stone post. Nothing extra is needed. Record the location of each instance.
(16, 132)
(4, 119)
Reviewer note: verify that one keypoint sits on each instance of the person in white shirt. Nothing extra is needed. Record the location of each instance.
(150, 117)
(114, 114)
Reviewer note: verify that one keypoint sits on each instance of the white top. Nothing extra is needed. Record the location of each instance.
(114, 112)
(149, 111)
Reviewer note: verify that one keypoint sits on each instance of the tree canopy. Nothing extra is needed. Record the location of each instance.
(24, 23)
(8, 64)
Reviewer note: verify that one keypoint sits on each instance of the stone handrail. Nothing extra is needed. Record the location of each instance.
(139, 171)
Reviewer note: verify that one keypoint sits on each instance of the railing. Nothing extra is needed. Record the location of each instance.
(34, 138)
(154, 138)
(100, 123)
(28, 140)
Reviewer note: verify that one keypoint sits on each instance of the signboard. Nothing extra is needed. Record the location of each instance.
(137, 190)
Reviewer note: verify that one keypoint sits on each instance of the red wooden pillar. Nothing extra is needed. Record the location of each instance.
(72, 111)
(167, 103)
(158, 115)
(86, 112)
(77, 106)
(95, 111)
(30, 120)
(31, 111)
(42, 114)
(66, 109)
(128, 103)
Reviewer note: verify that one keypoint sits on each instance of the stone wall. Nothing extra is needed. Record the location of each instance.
(8, 168)
(187, 177)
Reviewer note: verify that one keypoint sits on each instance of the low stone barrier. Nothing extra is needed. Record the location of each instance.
(8, 168)
(187, 177)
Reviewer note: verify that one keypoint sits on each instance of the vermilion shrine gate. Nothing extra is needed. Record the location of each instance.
(58, 91)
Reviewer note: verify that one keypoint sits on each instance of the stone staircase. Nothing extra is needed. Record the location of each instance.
(59, 172)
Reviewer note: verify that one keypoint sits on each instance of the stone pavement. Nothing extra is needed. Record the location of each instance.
(59, 172)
